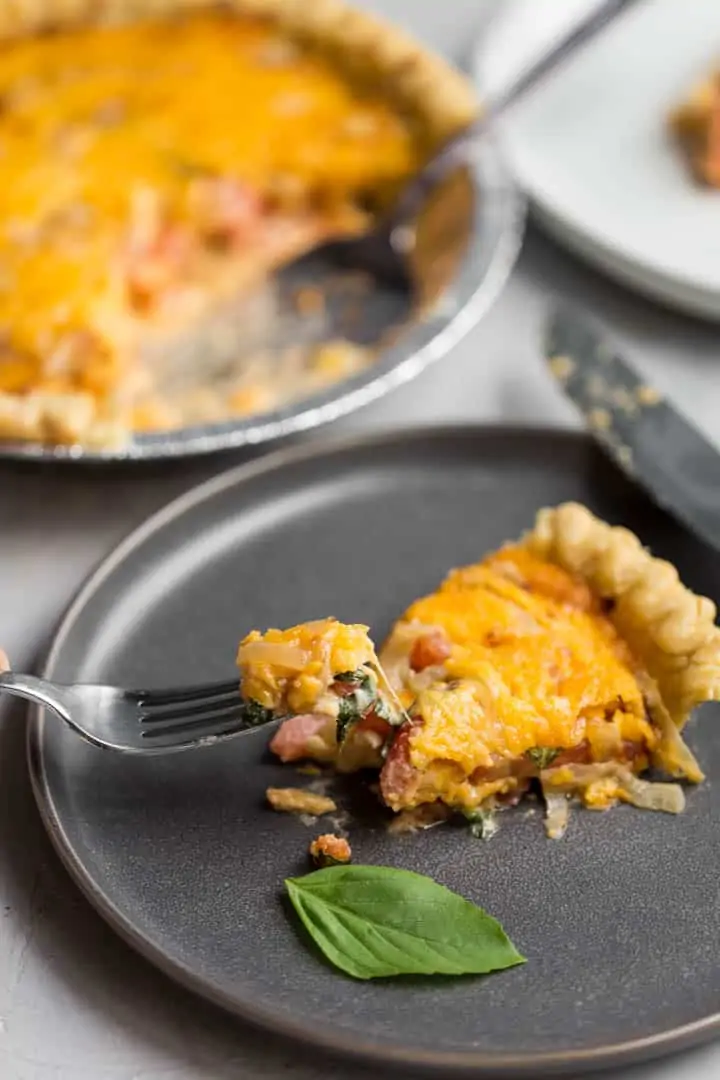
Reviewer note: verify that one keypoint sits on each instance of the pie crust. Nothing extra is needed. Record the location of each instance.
(669, 629)
(411, 76)
(425, 87)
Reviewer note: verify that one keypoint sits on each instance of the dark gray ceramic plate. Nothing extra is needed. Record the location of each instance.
(618, 920)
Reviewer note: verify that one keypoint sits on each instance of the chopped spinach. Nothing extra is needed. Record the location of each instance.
(482, 823)
(542, 756)
(355, 678)
(353, 706)
(255, 715)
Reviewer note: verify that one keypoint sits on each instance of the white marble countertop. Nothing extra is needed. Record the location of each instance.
(75, 1002)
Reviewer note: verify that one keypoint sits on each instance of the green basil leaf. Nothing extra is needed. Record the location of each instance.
(374, 921)
(542, 756)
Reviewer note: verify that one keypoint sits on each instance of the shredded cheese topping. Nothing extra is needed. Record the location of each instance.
(107, 139)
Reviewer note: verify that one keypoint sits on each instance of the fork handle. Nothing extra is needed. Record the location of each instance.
(57, 698)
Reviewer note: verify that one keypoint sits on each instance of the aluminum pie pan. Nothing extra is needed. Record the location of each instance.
(495, 235)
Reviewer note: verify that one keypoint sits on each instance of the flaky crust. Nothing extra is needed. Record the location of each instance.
(441, 99)
(670, 630)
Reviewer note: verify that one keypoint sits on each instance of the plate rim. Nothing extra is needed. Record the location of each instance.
(479, 1064)
(624, 265)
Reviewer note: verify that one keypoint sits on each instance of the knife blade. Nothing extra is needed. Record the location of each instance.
(646, 436)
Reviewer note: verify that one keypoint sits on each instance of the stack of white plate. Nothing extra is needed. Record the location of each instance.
(591, 146)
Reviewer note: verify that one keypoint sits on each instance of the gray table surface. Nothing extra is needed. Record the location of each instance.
(75, 1002)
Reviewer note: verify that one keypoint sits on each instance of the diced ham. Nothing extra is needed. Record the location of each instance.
(581, 755)
(574, 755)
(290, 742)
(430, 650)
(400, 780)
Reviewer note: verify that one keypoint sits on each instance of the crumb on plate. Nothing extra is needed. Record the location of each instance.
(329, 850)
(299, 801)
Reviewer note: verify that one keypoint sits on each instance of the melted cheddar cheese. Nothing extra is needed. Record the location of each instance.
(513, 671)
(108, 137)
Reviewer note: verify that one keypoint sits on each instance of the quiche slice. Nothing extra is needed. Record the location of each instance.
(571, 659)
(160, 159)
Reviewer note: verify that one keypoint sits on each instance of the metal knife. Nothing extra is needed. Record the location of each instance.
(648, 438)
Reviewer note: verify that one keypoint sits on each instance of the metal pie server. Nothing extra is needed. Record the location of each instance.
(647, 437)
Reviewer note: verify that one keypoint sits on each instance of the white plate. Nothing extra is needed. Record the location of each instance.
(591, 145)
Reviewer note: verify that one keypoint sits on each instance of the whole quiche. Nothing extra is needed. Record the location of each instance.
(160, 158)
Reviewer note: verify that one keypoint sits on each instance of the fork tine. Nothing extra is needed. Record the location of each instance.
(172, 696)
(226, 719)
(164, 715)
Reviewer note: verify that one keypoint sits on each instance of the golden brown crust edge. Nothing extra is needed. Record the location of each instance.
(671, 631)
(441, 98)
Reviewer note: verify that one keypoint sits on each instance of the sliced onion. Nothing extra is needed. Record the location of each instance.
(557, 815)
(669, 798)
(644, 794)
(675, 756)
(274, 653)
(672, 754)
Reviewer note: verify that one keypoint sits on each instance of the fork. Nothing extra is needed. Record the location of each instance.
(144, 721)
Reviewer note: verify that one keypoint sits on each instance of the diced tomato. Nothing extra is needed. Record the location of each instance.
(372, 722)
(291, 740)
(224, 209)
(398, 775)
(154, 268)
(429, 650)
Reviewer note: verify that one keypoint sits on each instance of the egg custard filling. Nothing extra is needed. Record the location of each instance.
(569, 660)
(160, 159)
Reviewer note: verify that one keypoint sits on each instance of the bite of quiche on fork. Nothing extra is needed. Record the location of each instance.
(570, 659)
